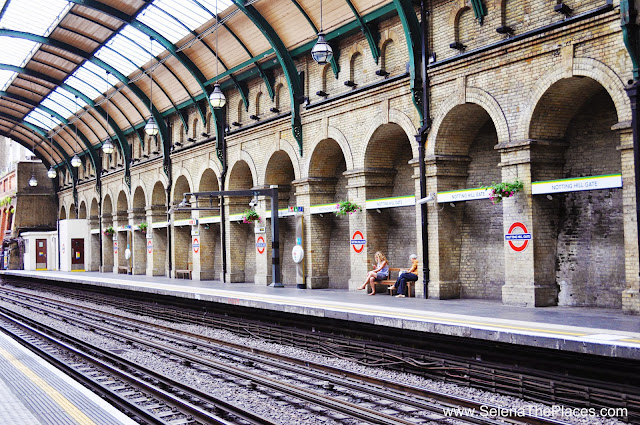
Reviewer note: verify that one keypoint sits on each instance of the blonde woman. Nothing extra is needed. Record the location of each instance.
(380, 272)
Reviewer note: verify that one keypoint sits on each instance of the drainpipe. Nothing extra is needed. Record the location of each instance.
(223, 226)
(421, 139)
(169, 225)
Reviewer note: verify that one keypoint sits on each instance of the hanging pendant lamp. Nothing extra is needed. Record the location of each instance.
(107, 146)
(75, 161)
(151, 128)
(217, 98)
(322, 51)
(52, 173)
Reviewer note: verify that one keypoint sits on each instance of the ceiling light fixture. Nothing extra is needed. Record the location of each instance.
(107, 146)
(75, 161)
(33, 182)
(321, 52)
(216, 98)
(52, 173)
(151, 128)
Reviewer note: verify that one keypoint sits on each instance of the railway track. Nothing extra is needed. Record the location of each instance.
(349, 396)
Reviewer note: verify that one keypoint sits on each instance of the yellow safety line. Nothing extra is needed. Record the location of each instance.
(61, 400)
(631, 340)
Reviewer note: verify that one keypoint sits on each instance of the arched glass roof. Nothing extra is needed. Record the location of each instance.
(54, 50)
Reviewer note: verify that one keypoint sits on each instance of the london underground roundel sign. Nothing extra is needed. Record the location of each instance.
(358, 241)
(519, 240)
(261, 245)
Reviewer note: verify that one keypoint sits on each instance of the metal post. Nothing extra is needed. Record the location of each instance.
(275, 239)
(421, 139)
(632, 92)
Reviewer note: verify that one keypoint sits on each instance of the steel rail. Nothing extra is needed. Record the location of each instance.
(296, 366)
(127, 371)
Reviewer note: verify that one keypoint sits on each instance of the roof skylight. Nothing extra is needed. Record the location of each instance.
(128, 50)
(33, 16)
(174, 19)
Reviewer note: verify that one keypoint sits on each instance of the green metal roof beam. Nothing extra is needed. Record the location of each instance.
(372, 38)
(296, 91)
(39, 131)
(412, 33)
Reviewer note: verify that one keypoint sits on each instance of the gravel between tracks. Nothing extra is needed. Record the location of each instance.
(268, 406)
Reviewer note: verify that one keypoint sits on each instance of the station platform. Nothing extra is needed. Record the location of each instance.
(32, 392)
(604, 332)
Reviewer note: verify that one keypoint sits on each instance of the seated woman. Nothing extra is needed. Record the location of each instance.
(379, 273)
(401, 283)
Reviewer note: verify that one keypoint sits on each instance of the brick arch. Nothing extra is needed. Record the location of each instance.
(336, 135)
(287, 147)
(356, 49)
(395, 117)
(159, 191)
(83, 210)
(62, 214)
(585, 67)
(126, 198)
(213, 166)
(107, 201)
(93, 211)
(136, 198)
(475, 96)
(183, 172)
(245, 157)
(216, 180)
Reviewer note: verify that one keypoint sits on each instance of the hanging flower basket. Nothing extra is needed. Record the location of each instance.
(250, 216)
(109, 231)
(347, 207)
(143, 226)
(498, 191)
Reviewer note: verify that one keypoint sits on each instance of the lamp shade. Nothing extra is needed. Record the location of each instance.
(216, 98)
(107, 147)
(33, 182)
(322, 52)
(151, 128)
(75, 161)
(52, 173)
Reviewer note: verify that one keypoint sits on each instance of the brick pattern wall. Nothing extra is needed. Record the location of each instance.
(481, 251)
(590, 238)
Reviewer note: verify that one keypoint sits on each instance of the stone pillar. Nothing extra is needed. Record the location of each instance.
(443, 173)
(315, 191)
(107, 245)
(263, 275)
(370, 183)
(157, 259)
(236, 240)
(94, 245)
(138, 242)
(530, 274)
(631, 294)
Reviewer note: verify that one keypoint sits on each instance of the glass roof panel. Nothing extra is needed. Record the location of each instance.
(6, 78)
(174, 19)
(41, 119)
(128, 50)
(86, 84)
(33, 16)
(62, 102)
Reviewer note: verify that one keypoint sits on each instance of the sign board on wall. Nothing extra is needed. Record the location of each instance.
(610, 181)
(261, 245)
(358, 241)
(398, 201)
(463, 195)
(518, 237)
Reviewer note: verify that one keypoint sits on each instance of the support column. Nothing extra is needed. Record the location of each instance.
(530, 274)
(631, 294)
(94, 245)
(445, 172)
(138, 242)
(157, 259)
(370, 183)
(237, 235)
(316, 191)
(107, 245)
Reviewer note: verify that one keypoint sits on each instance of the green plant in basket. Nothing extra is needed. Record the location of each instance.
(498, 191)
(250, 216)
(347, 207)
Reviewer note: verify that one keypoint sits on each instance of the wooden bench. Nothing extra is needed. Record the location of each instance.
(123, 270)
(390, 282)
(183, 274)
